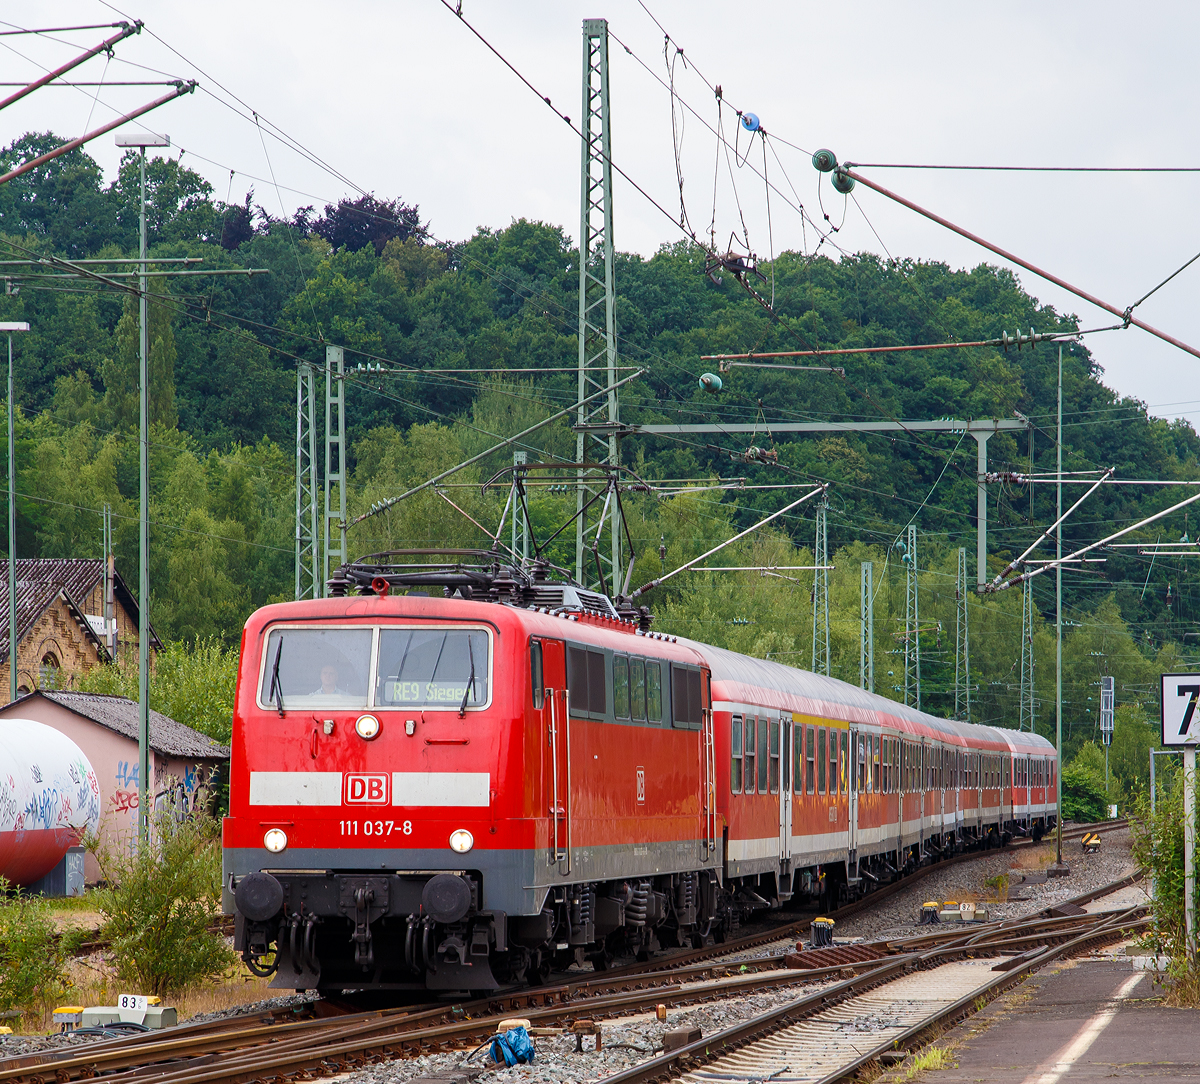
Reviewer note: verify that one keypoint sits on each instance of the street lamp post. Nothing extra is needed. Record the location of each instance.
(142, 141)
(10, 327)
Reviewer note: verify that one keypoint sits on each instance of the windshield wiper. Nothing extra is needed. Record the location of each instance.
(276, 692)
(462, 708)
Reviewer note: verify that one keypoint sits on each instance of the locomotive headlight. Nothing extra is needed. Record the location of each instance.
(461, 841)
(275, 840)
(367, 727)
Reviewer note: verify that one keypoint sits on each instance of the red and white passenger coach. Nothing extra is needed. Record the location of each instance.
(460, 794)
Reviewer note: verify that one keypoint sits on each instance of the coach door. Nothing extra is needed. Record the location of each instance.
(1006, 793)
(708, 772)
(556, 776)
(852, 774)
(784, 726)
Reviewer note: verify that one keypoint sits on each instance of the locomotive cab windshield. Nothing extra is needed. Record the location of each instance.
(387, 667)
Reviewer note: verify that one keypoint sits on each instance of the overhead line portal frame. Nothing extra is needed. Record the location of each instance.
(982, 429)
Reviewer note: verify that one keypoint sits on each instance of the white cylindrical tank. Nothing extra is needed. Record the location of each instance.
(49, 798)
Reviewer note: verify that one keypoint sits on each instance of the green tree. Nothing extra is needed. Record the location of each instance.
(120, 372)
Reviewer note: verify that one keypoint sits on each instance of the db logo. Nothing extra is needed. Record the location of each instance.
(367, 789)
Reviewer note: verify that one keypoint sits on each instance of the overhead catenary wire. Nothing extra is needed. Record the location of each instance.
(1123, 314)
(637, 592)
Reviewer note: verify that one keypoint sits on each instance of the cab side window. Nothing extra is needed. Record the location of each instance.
(536, 674)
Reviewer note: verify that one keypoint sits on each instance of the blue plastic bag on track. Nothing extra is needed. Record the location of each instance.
(514, 1047)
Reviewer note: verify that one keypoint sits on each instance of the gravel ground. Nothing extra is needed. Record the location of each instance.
(627, 1041)
(900, 914)
(15, 1045)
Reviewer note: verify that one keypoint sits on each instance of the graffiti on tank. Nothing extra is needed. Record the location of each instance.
(128, 776)
(73, 772)
(43, 807)
(36, 772)
(9, 810)
(87, 791)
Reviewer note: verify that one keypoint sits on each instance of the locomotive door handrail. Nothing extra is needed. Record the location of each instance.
(560, 810)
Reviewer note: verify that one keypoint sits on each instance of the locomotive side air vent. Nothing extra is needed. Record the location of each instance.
(556, 596)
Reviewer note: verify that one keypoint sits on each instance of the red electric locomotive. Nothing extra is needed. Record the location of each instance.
(461, 793)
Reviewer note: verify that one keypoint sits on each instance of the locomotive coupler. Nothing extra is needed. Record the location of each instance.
(364, 899)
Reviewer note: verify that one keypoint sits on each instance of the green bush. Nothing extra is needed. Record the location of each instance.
(31, 961)
(1158, 849)
(161, 900)
(192, 683)
(1085, 797)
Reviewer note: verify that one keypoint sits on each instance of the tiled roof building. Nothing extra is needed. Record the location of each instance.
(61, 620)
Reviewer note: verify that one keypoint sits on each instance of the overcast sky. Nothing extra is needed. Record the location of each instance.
(404, 101)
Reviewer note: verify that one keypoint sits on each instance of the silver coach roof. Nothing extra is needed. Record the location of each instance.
(790, 680)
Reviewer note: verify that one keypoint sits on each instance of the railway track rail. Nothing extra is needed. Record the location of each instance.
(821, 1037)
(254, 1049)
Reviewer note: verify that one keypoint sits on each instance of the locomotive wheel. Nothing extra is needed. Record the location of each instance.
(539, 968)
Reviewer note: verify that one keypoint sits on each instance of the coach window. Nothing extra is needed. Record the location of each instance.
(620, 686)
(764, 745)
(637, 689)
(535, 674)
(876, 743)
(748, 756)
(735, 749)
(843, 754)
(773, 744)
(833, 761)
(810, 759)
(798, 759)
(821, 760)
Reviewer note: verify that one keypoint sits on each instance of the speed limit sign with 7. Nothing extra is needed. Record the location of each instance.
(1180, 709)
